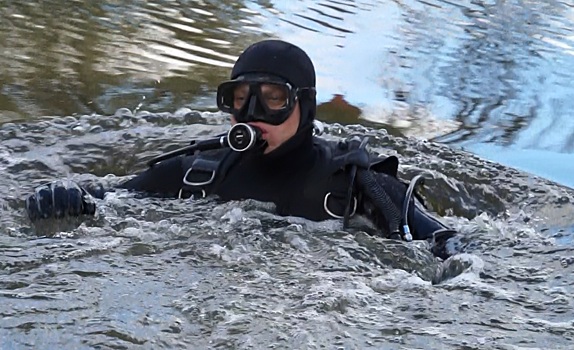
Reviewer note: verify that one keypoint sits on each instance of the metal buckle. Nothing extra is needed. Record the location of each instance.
(335, 215)
(179, 195)
(198, 183)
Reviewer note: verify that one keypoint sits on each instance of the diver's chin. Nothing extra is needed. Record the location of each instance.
(269, 149)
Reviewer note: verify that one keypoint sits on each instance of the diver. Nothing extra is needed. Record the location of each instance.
(273, 156)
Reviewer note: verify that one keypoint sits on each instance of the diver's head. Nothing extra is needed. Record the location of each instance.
(272, 86)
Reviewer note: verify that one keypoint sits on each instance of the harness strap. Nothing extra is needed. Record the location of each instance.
(363, 161)
(205, 172)
(201, 172)
(346, 157)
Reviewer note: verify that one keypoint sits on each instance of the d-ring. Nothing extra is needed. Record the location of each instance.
(335, 215)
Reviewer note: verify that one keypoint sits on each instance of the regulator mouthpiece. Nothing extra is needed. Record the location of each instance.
(242, 137)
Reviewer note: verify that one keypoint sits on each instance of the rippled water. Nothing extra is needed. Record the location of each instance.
(491, 76)
(77, 79)
(150, 273)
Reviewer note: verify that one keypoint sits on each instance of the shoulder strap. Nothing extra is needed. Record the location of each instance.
(354, 158)
(205, 170)
(350, 153)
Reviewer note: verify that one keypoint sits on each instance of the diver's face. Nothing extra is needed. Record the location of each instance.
(276, 135)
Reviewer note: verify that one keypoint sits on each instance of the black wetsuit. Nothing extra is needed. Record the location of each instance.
(284, 177)
(306, 177)
(300, 177)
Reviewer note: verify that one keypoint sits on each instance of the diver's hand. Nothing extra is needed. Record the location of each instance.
(59, 199)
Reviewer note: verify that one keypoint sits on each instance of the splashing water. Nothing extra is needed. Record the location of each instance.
(161, 273)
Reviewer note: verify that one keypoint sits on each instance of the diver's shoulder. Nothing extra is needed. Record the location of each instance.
(337, 146)
(213, 153)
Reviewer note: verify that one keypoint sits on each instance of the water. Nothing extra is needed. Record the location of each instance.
(493, 77)
(78, 79)
(151, 273)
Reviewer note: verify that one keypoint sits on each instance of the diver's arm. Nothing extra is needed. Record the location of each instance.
(162, 179)
(66, 197)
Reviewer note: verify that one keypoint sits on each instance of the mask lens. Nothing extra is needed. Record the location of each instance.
(275, 96)
(240, 95)
(232, 95)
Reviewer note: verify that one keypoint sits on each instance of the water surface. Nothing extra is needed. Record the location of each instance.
(154, 274)
(493, 77)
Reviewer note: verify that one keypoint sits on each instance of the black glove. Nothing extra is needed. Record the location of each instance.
(59, 199)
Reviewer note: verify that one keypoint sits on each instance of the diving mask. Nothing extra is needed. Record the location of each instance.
(258, 97)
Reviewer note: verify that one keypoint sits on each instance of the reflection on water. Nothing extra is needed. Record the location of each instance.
(61, 58)
(467, 73)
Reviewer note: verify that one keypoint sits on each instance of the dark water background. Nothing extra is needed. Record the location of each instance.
(494, 77)
(93, 89)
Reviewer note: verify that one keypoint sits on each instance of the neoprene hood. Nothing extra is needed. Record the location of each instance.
(287, 61)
